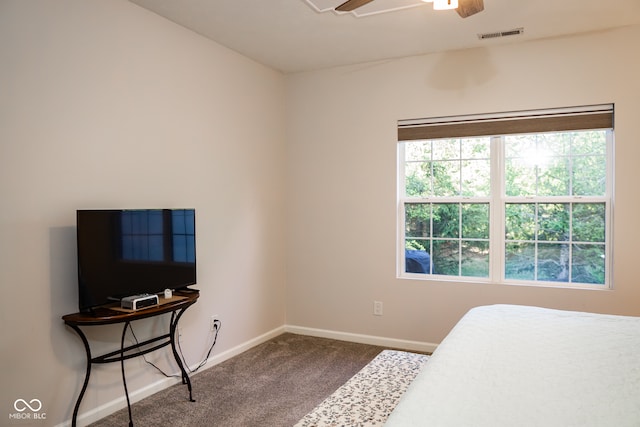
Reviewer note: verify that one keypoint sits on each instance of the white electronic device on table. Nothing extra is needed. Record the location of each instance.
(136, 302)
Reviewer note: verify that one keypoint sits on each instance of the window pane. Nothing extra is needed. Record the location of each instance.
(417, 216)
(475, 154)
(446, 220)
(446, 256)
(418, 179)
(590, 142)
(476, 178)
(446, 178)
(516, 145)
(418, 150)
(475, 148)
(475, 220)
(418, 244)
(554, 144)
(553, 222)
(520, 221)
(588, 222)
(445, 149)
(588, 264)
(418, 261)
(520, 178)
(553, 177)
(519, 262)
(553, 262)
(589, 176)
(475, 259)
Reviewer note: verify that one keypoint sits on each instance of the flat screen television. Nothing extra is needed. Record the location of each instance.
(127, 252)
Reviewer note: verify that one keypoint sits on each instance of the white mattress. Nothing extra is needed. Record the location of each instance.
(521, 366)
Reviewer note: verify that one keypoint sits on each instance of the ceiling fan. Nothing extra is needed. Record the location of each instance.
(464, 8)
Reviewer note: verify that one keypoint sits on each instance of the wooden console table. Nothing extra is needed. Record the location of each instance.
(108, 315)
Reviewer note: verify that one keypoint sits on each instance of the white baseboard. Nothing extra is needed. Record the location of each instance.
(364, 339)
(225, 355)
(108, 408)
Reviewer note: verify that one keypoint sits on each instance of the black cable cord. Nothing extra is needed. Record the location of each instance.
(217, 324)
(145, 359)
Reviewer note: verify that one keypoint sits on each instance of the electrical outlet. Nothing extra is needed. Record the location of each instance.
(377, 308)
(212, 322)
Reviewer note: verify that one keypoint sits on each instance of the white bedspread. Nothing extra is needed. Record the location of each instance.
(522, 366)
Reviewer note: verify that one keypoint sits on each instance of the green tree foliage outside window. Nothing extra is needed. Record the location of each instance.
(552, 205)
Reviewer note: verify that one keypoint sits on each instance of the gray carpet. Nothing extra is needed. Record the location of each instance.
(274, 384)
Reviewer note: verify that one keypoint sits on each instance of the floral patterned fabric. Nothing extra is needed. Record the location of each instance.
(369, 396)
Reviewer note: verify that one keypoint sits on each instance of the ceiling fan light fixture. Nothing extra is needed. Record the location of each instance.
(445, 4)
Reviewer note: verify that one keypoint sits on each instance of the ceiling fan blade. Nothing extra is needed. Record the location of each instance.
(350, 5)
(469, 7)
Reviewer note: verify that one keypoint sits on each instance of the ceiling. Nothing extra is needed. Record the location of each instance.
(302, 35)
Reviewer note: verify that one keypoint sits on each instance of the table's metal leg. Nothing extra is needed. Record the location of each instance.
(86, 376)
(124, 379)
(172, 333)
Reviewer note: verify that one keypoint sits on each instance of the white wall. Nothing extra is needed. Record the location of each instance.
(106, 105)
(342, 176)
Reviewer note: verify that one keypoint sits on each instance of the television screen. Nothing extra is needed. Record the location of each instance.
(134, 251)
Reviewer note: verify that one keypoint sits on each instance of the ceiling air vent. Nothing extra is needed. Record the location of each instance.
(495, 35)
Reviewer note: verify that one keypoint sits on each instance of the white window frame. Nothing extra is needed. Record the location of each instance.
(497, 203)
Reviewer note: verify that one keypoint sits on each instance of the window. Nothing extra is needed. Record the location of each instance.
(510, 198)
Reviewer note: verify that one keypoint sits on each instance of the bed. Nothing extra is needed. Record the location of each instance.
(507, 365)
